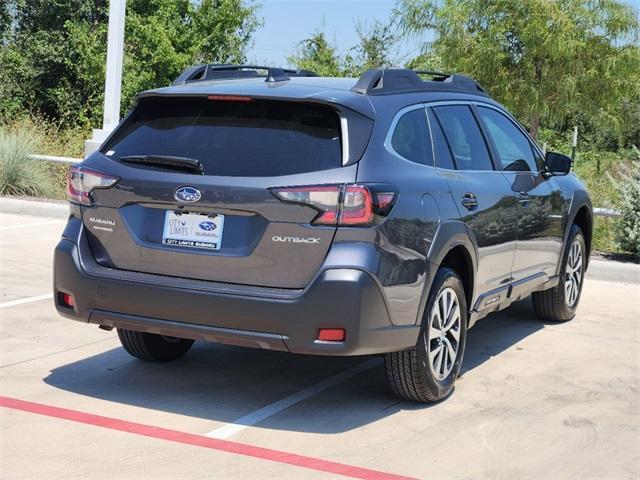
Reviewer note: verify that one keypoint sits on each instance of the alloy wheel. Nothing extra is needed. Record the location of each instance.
(443, 333)
(573, 274)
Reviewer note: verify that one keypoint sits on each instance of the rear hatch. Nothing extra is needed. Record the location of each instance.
(194, 196)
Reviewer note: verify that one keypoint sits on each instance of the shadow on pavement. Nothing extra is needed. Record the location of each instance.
(222, 383)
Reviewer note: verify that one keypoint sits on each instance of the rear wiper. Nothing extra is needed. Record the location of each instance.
(167, 161)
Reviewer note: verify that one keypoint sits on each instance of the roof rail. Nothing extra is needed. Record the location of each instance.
(380, 82)
(222, 71)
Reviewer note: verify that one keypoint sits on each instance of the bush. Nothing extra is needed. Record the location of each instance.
(628, 227)
(18, 174)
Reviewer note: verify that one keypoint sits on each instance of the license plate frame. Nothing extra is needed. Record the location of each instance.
(192, 230)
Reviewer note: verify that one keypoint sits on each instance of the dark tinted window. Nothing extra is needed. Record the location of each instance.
(464, 137)
(513, 148)
(234, 138)
(410, 137)
(442, 152)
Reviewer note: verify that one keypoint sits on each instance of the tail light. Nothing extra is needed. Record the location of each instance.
(82, 181)
(230, 98)
(343, 205)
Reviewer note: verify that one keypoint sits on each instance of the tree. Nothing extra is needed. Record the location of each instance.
(548, 61)
(162, 37)
(317, 54)
(5, 20)
(376, 43)
(53, 62)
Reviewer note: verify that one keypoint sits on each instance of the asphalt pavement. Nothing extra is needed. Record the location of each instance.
(535, 400)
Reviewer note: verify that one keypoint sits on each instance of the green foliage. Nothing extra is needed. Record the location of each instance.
(318, 55)
(51, 138)
(18, 174)
(628, 231)
(165, 36)
(5, 21)
(46, 61)
(52, 64)
(374, 49)
(603, 172)
(376, 43)
(549, 62)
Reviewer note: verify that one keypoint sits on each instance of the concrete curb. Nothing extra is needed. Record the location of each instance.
(612, 271)
(607, 270)
(34, 207)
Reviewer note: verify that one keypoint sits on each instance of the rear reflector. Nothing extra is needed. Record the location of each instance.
(331, 334)
(67, 300)
(82, 181)
(343, 205)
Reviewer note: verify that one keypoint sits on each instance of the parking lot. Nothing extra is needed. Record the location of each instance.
(535, 400)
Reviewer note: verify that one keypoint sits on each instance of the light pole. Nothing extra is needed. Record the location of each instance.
(113, 78)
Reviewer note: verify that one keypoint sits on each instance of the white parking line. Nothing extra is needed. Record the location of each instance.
(241, 423)
(26, 225)
(21, 301)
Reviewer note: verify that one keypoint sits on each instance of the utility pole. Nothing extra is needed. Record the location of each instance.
(113, 78)
(574, 143)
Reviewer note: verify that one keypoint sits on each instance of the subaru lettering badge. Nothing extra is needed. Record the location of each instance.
(207, 226)
(187, 194)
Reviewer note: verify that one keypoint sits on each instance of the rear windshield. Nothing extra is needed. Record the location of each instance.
(233, 138)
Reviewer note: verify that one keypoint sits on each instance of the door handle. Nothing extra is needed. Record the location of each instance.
(523, 197)
(469, 201)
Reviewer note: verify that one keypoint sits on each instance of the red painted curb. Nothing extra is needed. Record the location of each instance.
(200, 440)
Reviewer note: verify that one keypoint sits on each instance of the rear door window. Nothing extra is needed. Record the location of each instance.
(233, 138)
(440, 147)
(465, 139)
(512, 146)
(411, 139)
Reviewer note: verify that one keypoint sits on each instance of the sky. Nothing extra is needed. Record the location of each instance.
(288, 22)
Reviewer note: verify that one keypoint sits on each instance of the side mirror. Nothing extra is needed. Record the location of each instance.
(557, 164)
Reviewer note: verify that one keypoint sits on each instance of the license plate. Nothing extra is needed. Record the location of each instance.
(193, 230)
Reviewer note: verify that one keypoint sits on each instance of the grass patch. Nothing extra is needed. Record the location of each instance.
(18, 174)
(21, 176)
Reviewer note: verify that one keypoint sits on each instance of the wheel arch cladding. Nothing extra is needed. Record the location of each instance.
(458, 259)
(452, 247)
(584, 219)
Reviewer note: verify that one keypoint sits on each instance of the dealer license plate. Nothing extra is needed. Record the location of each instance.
(194, 230)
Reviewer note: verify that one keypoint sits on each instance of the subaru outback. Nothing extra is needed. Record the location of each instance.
(276, 209)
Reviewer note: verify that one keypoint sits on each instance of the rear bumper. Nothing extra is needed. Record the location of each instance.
(275, 319)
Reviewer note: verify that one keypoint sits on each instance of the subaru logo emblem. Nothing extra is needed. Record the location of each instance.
(207, 226)
(187, 194)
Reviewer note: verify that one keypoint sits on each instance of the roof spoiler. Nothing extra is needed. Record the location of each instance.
(384, 81)
(221, 71)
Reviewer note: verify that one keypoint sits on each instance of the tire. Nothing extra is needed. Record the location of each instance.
(152, 347)
(410, 373)
(559, 303)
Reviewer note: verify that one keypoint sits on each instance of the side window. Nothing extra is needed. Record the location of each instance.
(465, 139)
(440, 147)
(411, 138)
(513, 148)
(539, 159)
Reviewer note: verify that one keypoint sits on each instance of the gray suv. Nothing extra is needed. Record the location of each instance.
(276, 209)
